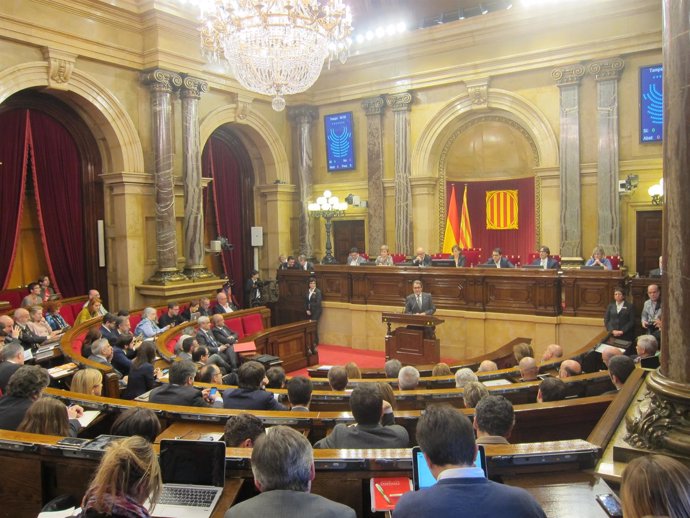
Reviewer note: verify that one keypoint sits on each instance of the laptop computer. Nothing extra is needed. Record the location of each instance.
(422, 476)
(193, 478)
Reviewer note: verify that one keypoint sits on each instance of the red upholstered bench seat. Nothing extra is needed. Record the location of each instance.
(252, 323)
(236, 325)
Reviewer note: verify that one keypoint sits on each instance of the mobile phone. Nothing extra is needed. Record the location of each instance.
(213, 392)
(611, 505)
(73, 441)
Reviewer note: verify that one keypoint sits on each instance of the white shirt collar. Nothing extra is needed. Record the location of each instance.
(467, 472)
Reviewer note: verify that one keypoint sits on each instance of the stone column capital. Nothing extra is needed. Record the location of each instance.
(193, 87)
(374, 105)
(606, 69)
(568, 75)
(303, 114)
(401, 102)
(160, 80)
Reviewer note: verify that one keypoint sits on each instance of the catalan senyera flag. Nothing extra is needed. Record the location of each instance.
(452, 232)
(465, 235)
(502, 210)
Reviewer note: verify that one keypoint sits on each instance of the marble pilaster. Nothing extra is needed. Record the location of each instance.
(401, 105)
(303, 118)
(191, 91)
(374, 108)
(161, 83)
(662, 424)
(607, 72)
(568, 80)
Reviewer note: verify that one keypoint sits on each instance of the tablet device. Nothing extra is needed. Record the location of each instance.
(422, 476)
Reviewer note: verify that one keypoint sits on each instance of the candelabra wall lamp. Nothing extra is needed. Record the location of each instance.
(656, 191)
(327, 207)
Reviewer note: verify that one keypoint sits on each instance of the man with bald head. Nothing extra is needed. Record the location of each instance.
(94, 294)
(10, 330)
(552, 353)
(608, 353)
(223, 304)
(422, 258)
(487, 365)
(528, 369)
(569, 368)
(27, 337)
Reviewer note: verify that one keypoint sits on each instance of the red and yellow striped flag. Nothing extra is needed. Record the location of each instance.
(465, 236)
(502, 210)
(452, 232)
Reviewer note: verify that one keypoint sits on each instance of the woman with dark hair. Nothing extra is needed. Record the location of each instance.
(619, 318)
(313, 307)
(142, 375)
(53, 316)
(458, 258)
(127, 476)
(137, 421)
(47, 292)
(92, 335)
(191, 312)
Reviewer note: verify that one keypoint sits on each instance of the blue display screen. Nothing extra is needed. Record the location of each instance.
(340, 148)
(651, 103)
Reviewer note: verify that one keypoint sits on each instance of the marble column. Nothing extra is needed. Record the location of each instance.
(161, 84)
(663, 424)
(191, 91)
(303, 117)
(401, 105)
(607, 72)
(374, 107)
(568, 80)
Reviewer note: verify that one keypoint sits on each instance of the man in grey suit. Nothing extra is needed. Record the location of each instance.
(283, 468)
(419, 303)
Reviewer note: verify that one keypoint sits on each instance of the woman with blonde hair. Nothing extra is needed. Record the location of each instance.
(387, 393)
(441, 369)
(522, 350)
(87, 381)
(91, 310)
(599, 258)
(38, 324)
(49, 416)
(353, 371)
(128, 474)
(655, 485)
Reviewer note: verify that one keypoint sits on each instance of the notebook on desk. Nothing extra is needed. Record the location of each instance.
(193, 478)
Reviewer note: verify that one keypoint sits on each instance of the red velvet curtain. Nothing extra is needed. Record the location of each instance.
(513, 242)
(219, 162)
(57, 179)
(13, 156)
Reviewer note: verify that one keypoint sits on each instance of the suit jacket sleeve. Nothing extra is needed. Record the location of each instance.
(410, 303)
(628, 321)
(430, 309)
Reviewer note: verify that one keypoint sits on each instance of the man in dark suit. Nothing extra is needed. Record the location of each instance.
(223, 304)
(27, 337)
(447, 441)
(227, 361)
(422, 258)
(205, 307)
(498, 260)
(619, 318)
(107, 329)
(545, 260)
(375, 424)
(419, 303)
(25, 386)
(314, 308)
(283, 468)
(180, 390)
(12, 358)
(305, 265)
(225, 336)
(656, 272)
(250, 394)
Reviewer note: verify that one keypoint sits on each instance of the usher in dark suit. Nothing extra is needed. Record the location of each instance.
(623, 321)
(427, 307)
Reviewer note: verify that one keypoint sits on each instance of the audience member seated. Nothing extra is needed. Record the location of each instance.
(655, 485)
(225, 337)
(242, 430)
(34, 297)
(657, 272)
(108, 324)
(299, 391)
(441, 369)
(189, 345)
(353, 372)
(493, 420)
(27, 337)
(11, 331)
(464, 376)
(204, 336)
(91, 310)
(12, 359)
(275, 377)
(283, 468)
(148, 326)
(102, 352)
(569, 368)
(551, 389)
(384, 258)
(24, 388)
(522, 350)
(421, 258)
(137, 421)
(39, 325)
(553, 352)
(498, 260)
(142, 375)
(54, 318)
(646, 347)
(619, 318)
(392, 368)
(408, 378)
(487, 366)
(354, 259)
(87, 381)
(337, 377)
(122, 350)
(93, 295)
(47, 292)
(387, 394)
(123, 327)
(49, 416)
(608, 353)
(528, 369)
(92, 335)
(172, 317)
(210, 373)
(473, 393)
(304, 264)
(127, 476)
(251, 378)
(205, 307)
(599, 259)
(191, 312)
(180, 390)
(545, 260)
(369, 411)
(447, 441)
(457, 257)
(620, 368)
(223, 304)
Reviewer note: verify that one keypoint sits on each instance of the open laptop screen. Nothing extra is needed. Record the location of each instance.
(200, 463)
(422, 475)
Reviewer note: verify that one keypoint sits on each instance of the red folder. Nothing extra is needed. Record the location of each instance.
(245, 347)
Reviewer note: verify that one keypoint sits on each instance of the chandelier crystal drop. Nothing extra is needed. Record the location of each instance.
(275, 47)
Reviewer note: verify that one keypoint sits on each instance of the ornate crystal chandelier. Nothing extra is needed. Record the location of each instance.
(275, 47)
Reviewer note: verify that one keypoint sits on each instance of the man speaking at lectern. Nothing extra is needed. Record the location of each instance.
(419, 303)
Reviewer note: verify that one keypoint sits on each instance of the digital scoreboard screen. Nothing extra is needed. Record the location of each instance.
(651, 103)
(340, 146)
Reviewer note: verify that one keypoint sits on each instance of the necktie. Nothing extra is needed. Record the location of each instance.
(419, 301)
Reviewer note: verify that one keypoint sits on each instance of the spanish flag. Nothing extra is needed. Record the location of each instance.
(465, 235)
(450, 236)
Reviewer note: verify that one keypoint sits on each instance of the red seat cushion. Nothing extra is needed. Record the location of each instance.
(134, 319)
(170, 344)
(253, 323)
(236, 325)
(75, 308)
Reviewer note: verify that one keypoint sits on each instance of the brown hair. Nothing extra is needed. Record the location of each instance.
(441, 369)
(387, 393)
(522, 350)
(47, 416)
(353, 371)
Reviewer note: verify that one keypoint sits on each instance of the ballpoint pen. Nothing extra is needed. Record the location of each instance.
(383, 493)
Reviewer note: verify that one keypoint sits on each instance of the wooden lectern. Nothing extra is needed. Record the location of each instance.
(416, 343)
